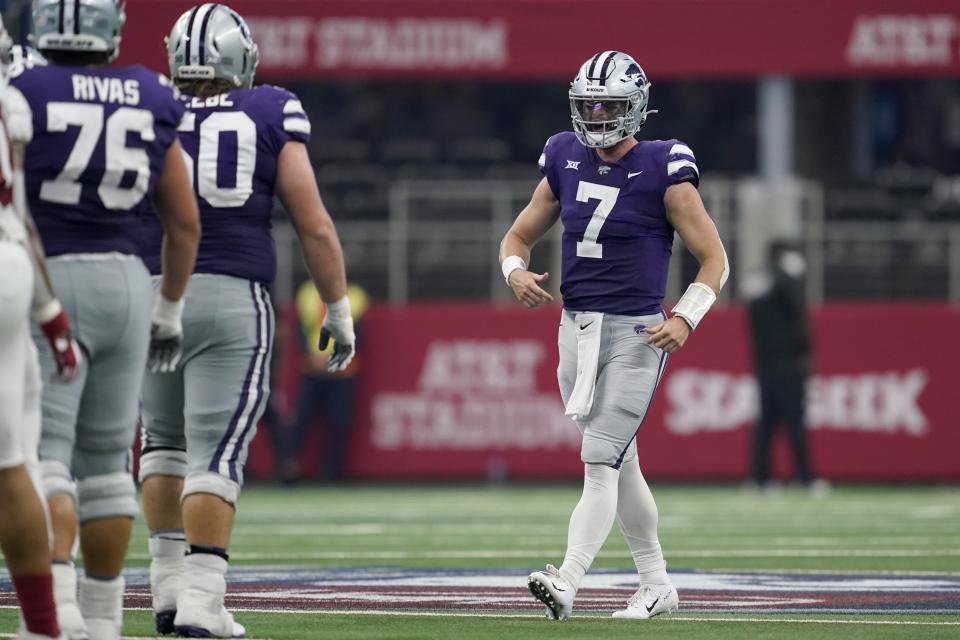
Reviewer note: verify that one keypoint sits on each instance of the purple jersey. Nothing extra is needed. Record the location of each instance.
(616, 237)
(100, 136)
(232, 142)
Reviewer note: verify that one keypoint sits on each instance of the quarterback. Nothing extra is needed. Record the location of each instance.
(244, 144)
(620, 200)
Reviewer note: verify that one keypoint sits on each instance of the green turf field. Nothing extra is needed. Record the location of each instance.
(877, 530)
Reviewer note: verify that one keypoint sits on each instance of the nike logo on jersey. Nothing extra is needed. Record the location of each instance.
(633, 173)
(573, 165)
(584, 326)
(650, 608)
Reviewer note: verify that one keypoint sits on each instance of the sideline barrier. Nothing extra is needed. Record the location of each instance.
(469, 391)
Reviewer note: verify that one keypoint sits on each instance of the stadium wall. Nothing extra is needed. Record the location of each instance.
(500, 39)
(468, 391)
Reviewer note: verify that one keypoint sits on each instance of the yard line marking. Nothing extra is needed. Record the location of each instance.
(480, 614)
(549, 553)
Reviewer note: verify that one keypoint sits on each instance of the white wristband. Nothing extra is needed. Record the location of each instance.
(167, 313)
(694, 304)
(47, 312)
(511, 264)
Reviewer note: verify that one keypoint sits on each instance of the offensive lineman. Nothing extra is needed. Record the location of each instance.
(244, 145)
(103, 148)
(620, 201)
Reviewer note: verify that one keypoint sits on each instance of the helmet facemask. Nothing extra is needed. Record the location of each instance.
(608, 100)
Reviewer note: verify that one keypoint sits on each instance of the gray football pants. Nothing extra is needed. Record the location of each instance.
(628, 371)
(209, 407)
(90, 423)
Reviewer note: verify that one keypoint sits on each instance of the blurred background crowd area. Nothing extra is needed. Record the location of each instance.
(833, 126)
(836, 124)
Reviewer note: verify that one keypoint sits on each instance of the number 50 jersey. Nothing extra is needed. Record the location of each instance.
(98, 145)
(232, 142)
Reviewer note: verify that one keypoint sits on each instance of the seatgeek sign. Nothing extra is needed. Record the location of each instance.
(549, 39)
(469, 391)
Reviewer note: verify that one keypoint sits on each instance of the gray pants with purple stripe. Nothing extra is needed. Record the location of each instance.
(210, 405)
(628, 371)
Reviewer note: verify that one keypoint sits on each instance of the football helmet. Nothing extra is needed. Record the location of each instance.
(78, 25)
(608, 99)
(212, 41)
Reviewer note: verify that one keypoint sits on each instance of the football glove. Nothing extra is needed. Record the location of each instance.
(166, 336)
(66, 352)
(338, 325)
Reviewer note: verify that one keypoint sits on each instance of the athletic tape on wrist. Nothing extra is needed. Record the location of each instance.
(511, 264)
(339, 310)
(695, 302)
(167, 312)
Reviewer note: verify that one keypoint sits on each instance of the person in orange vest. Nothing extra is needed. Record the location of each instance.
(321, 394)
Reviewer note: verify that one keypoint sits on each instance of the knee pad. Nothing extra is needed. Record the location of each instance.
(108, 496)
(212, 483)
(163, 462)
(57, 480)
(595, 450)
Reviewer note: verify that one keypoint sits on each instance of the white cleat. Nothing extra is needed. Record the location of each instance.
(553, 591)
(202, 624)
(649, 601)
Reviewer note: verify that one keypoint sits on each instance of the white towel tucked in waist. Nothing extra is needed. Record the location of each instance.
(588, 327)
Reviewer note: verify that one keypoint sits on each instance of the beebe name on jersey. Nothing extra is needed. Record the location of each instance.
(106, 90)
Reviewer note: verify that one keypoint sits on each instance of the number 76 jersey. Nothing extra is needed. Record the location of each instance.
(231, 143)
(616, 236)
(98, 143)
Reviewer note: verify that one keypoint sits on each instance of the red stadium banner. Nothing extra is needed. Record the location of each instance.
(469, 391)
(548, 39)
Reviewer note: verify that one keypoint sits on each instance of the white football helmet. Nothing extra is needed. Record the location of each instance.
(211, 41)
(608, 99)
(81, 26)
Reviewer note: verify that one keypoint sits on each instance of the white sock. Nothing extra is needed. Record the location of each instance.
(204, 579)
(64, 582)
(101, 603)
(590, 521)
(167, 550)
(638, 519)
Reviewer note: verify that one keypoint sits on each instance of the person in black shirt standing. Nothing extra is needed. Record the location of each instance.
(781, 340)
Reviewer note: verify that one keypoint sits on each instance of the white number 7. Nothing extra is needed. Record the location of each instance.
(586, 191)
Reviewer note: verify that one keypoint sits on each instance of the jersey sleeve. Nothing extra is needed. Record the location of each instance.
(681, 164)
(19, 117)
(286, 116)
(547, 165)
(168, 109)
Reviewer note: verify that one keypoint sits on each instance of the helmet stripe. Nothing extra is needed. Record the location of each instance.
(593, 66)
(189, 57)
(196, 19)
(203, 33)
(64, 17)
(606, 65)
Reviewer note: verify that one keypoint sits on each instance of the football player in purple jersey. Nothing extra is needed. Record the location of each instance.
(620, 200)
(101, 150)
(244, 145)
